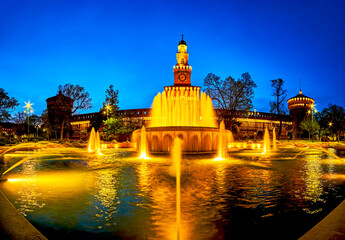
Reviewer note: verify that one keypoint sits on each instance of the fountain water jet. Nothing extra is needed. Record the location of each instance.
(222, 144)
(267, 144)
(274, 139)
(94, 141)
(143, 145)
(176, 155)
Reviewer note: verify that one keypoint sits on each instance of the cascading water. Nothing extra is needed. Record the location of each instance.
(182, 106)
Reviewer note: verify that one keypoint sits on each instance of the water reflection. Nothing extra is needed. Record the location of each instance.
(137, 199)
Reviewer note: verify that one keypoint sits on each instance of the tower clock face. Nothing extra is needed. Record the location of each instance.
(182, 77)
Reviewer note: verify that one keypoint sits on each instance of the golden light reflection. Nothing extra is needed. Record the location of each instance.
(106, 194)
(313, 177)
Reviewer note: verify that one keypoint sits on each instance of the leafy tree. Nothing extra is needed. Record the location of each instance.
(112, 127)
(81, 101)
(6, 104)
(333, 119)
(310, 125)
(278, 105)
(230, 95)
(110, 106)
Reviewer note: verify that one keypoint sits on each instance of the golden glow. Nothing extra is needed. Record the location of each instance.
(95, 142)
(274, 139)
(222, 141)
(267, 144)
(28, 107)
(177, 152)
(182, 106)
(143, 144)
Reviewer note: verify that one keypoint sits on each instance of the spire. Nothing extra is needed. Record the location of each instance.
(300, 86)
(182, 42)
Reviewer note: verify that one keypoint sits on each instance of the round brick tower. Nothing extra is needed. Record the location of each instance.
(298, 109)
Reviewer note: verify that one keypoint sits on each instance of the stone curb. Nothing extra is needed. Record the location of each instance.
(14, 225)
(331, 227)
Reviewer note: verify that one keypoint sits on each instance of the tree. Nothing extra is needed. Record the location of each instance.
(6, 104)
(110, 106)
(333, 119)
(278, 106)
(112, 127)
(230, 95)
(46, 123)
(81, 101)
(310, 125)
(19, 119)
(36, 122)
(81, 98)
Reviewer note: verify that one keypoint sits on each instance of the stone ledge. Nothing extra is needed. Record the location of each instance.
(14, 225)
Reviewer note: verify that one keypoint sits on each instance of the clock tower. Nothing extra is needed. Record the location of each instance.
(182, 70)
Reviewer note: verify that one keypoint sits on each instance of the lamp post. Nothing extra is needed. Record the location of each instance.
(107, 107)
(312, 110)
(28, 110)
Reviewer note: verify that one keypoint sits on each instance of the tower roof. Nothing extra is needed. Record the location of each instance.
(182, 42)
(301, 96)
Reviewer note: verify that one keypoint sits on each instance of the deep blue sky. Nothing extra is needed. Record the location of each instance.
(133, 44)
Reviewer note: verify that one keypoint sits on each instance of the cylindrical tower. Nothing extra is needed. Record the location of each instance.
(298, 109)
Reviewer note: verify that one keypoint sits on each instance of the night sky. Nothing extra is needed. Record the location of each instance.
(133, 44)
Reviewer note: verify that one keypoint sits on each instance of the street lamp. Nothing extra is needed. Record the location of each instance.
(107, 107)
(28, 110)
(312, 110)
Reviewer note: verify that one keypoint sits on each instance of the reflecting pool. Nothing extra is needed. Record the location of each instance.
(68, 193)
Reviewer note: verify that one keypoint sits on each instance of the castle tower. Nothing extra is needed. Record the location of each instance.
(182, 70)
(298, 109)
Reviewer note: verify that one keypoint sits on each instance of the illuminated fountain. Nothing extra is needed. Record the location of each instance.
(95, 141)
(274, 139)
(185, 112)
(143, 145)
(176, 155)
(222, 145)
(267, 141)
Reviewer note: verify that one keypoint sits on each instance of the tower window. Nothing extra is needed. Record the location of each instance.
(182, 61)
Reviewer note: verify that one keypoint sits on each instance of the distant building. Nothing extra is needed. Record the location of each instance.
(59, 112)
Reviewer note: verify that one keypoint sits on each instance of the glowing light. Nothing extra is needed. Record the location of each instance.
(182, 107)
(143, 145)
